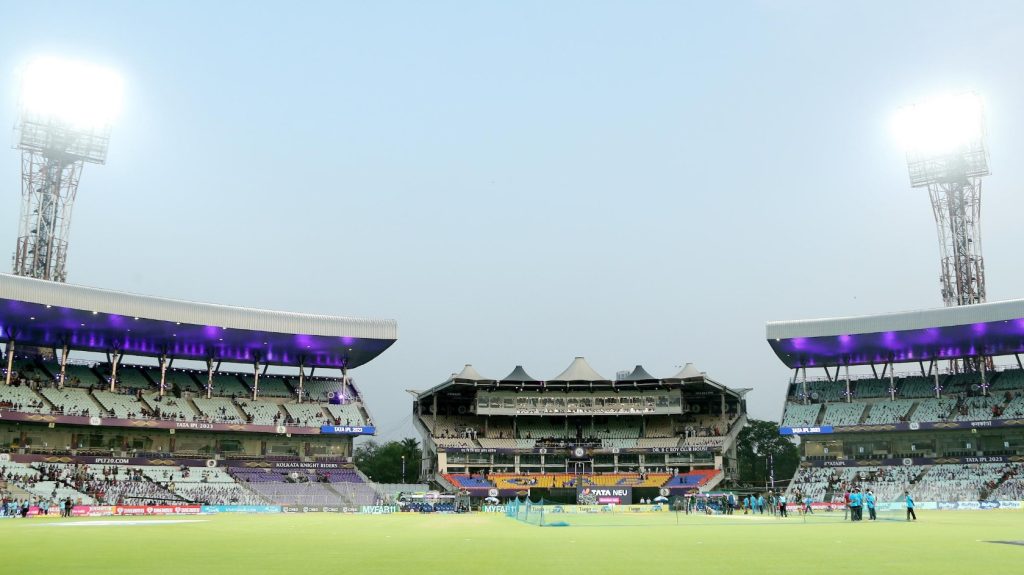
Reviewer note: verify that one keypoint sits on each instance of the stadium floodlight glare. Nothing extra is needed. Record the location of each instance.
(67, 109)
(944, 139)
(942, 125)
(81, 95)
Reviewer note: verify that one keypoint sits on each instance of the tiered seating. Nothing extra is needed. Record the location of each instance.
(843, 413)
(77, 375)
(346, 414)
(270, 385)
(975, 409)
(321, 389)
(536, 428)
(468, 481)
(21, 398)
(869, 388)
(651, 442)
(659, 427)
(127, 377)
(629, 479)
(120, 405)
(693, 479)
(958, 482)
(345, 487)
(499, 435)
(30, 479)
(933, 410)
(217, 409)
(963, 382)
(912, 387)
(1014, 409)
(1010, 379)
(228, 385)
(213, 487)
(27, 369)
(889, 411)
(823, 391)
(72, 401)
(261, 412)
(307, 414)
(490, 443)
(800, 415)
(617, 428)
(180, 380)
(170, 407)
(888, 483)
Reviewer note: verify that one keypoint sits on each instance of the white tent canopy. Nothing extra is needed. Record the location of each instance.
(579, 370)
(469, 373)
(689, 371)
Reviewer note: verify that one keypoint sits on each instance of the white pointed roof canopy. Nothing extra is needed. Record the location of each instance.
(519, 375)
(580, 370)
(469, 373)
(639, 374)
(689, 371)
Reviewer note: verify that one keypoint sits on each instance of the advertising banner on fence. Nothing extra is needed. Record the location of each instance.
(157, 509)
(378, 509)
(241, 508)
(592, 495)
(347, 430)
(317, 509)
(606, 508)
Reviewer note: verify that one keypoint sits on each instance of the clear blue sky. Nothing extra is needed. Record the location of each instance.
(524, 182)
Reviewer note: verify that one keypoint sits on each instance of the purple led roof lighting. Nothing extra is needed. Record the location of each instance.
(86, 331)
(1002, 337)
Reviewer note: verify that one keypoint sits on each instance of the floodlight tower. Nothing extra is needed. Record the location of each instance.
(945, 144)
(67, 109)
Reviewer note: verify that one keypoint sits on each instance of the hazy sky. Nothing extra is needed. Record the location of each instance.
(525, 182)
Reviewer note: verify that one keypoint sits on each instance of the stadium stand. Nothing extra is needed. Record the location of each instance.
(218, 409)
(801, 415)
(888, 411)
(121, 405)
(843, 413)
(170, 407)
(270, 385)
(261, 412)
(21, 398)
(72, 401)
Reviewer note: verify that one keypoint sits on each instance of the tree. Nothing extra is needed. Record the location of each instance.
(759, 445)
(383, 463)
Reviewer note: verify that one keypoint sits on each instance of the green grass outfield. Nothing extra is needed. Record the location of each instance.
(485, 544)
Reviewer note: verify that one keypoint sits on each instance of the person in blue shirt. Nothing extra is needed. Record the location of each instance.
(855, 505)
(730, 504)
(910, 506)
(746, 505)
(869, 501)
(760, 504)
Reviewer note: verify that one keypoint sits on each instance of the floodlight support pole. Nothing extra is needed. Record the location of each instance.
(63, 365)
(10, 360)
(806, 399)
(209, 377)
(163, 374)
(892, 381)
(302, 377)
(344, 385)
(938, 389)
(115, 358)
(256, 378)
(849, 396)
(984, 382)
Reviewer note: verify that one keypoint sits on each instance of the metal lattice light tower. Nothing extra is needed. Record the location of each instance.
(66, 113)
(945, 143)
